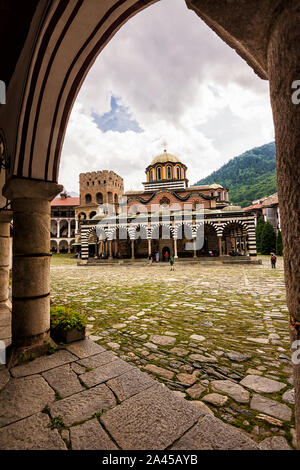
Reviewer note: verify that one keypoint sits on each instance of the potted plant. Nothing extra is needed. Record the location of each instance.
(66, 324)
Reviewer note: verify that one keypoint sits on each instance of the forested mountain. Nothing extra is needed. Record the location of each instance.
(249, 176)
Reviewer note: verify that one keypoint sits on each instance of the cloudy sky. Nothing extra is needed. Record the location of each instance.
(165, 79)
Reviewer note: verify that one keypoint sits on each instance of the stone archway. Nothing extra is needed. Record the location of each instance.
(235, 239)
(43, 87)
(63, 247)
(54, 246)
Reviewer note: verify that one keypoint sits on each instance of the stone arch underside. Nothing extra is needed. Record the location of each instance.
(72, 42)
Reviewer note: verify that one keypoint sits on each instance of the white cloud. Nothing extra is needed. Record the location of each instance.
(182, 84)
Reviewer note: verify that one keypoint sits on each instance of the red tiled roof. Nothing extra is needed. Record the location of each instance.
(269, 201)
(250, 208)
(69, 201)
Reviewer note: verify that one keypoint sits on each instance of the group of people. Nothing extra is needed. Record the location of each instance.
(167, 258)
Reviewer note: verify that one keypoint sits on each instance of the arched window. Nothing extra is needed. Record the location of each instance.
(151, 175)
(169, 172)
(159, 173)
(178, 172)
(88, 198)
(99, 198)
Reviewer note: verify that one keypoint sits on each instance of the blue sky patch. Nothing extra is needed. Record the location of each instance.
(118, 119)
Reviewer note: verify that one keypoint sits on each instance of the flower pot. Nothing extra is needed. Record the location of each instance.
(67, 336)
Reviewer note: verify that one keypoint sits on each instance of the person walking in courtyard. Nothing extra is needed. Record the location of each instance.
(273, 260)
(157, 256)
(166, 256)
(172, 263)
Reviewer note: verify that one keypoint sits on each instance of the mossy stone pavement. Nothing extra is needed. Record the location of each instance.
(215, 331)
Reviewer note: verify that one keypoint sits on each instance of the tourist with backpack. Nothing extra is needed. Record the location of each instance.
(273, 260)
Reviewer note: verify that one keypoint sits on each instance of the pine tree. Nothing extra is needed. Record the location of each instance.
(268, 239)
(259, 229)
(279, 246)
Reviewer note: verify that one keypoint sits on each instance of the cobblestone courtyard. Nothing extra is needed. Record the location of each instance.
(216, 335)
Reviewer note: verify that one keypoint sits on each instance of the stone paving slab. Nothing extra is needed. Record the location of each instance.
(271, 407)
(262, 384)
(274, 443)
(43, 363)
(232, 389)
(63, 380)
(162, 340)
(24, 397)
(31, 433)
(160, 371)
(215, 399)
(90, 436)
(152, 419)
(83, 405)
(202, 406)
(98, 360)
(129, 384)
(212, 434)
(106, 372)
(85, 348)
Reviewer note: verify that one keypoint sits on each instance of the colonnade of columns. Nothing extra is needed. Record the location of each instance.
(109, 247)
(69, 222)
(59, 245)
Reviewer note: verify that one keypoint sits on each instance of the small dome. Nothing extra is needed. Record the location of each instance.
(164, 158)
(216, 186)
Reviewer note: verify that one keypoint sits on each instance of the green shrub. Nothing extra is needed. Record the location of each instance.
(66, 318)
(268, 239)
(259, 230)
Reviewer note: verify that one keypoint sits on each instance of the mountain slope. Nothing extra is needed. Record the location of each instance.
(249, 176)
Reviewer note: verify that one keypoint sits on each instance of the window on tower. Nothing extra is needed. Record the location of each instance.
(169, 172)
(158, 173)
(178, 172)
(151, 175)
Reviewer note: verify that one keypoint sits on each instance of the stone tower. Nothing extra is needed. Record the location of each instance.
(99, 188)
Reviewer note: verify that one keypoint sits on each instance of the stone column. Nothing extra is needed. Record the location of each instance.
(69, 229)
(69, 247)
(175, 249)
(76, 225)
(110, 250)
(5, 306)
(195, 247)
(84, 250)
(58, 229)
(220, 245)
(284, 72)
(149, 247)
(132, 249)
(31, 260)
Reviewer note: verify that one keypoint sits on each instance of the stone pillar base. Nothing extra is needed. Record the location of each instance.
(19, 355)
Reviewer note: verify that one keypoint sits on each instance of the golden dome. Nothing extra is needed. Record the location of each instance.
(164, 158)
(216, 186)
